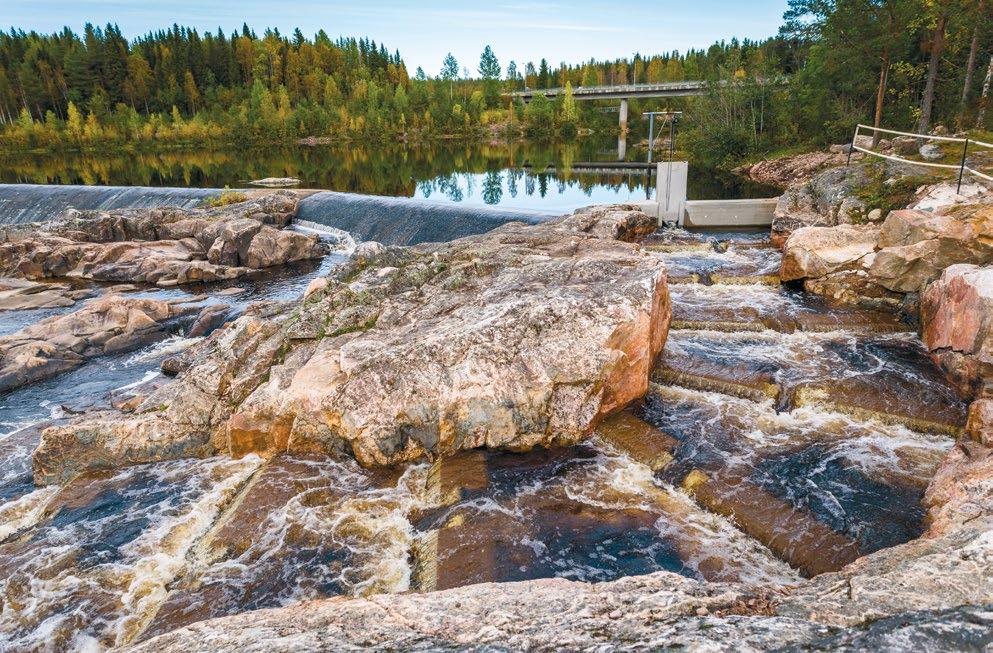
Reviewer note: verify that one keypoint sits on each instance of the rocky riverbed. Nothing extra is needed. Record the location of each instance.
(583, 434)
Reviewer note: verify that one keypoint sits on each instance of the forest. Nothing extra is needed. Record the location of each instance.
(905, 64)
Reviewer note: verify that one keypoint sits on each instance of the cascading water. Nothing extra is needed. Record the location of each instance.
(401, 221)
(20, 203)
(781, 436)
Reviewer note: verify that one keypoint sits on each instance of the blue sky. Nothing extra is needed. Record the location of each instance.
(424, 31)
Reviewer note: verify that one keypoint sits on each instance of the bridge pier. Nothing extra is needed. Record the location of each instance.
(623, 113)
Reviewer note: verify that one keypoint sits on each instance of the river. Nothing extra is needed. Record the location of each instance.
(524, 176)
(797, 436)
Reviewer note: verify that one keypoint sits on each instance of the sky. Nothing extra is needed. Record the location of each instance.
(424, 31)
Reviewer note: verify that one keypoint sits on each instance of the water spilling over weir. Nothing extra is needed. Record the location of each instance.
(781, 437)
(389, 220)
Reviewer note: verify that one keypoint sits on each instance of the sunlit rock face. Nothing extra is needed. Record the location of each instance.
(957, 324)
(524, 336)
(162, 246)
(879, 267)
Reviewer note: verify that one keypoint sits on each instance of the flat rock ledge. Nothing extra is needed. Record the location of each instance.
(931, 594)
(162, 246)
(110, 324)
(521, 337)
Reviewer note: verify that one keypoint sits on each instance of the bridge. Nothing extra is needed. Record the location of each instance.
(622, 92)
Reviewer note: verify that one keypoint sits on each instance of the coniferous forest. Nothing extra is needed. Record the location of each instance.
(905, 64)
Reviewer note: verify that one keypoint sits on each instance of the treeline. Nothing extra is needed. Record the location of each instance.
(907, 64)
(178, 86)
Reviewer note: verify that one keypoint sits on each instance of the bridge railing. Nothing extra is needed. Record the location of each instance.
(962, 166)
(611, 90)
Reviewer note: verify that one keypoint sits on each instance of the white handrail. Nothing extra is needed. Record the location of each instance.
(962, 168)
(946, 166)
(921, 136)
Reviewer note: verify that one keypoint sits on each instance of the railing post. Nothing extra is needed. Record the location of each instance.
(851, 147)
(965, 153)
(651, 129)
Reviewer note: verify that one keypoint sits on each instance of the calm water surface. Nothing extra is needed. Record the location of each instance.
(520, 175)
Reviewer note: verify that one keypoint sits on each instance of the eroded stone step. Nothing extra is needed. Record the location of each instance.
(737, 381)
(862, 480)
(582, 513)
(304, 528)
(641, 441)
(794, 535)
(756, 307)
(865, 400)
(451, 477)
(881, 377)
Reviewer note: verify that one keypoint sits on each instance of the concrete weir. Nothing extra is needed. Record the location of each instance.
(672, 206)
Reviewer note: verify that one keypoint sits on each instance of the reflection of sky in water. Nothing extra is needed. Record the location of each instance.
(520, 189)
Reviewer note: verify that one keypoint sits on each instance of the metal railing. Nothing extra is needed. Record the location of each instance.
(961, 167)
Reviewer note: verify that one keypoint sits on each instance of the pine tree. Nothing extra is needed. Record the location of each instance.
(489, 70)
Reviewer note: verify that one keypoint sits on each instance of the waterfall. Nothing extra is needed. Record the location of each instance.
(402, 221)
(21, 203)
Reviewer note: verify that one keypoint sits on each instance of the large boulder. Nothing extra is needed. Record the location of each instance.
(832, 197)
(62, 342)
(915, 246)
(525, 336)
(812, 252)
(163, 246)
(957, 324)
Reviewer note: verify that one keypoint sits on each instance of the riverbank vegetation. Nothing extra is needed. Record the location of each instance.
(907, 64)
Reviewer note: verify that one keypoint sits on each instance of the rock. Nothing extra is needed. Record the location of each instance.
(961, 491)
(946, 194)
(931, 152)
(957, 324)
(63, 342)
(21, 295)
(276, 182)
(817, 251)
(521, 337)
(316, 285)
(210, 318)
(967, 628)
(642, 613)
(797, 169)
(904, 145)
(161, 246)
(827, 199)
(875, 215)
(980, 424)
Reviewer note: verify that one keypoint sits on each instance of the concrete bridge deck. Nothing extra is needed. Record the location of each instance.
(621, 91)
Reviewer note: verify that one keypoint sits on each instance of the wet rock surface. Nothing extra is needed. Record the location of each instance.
(21, 295)
(106, 325)
(781, 436)
(160, 246)
(524, 336)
